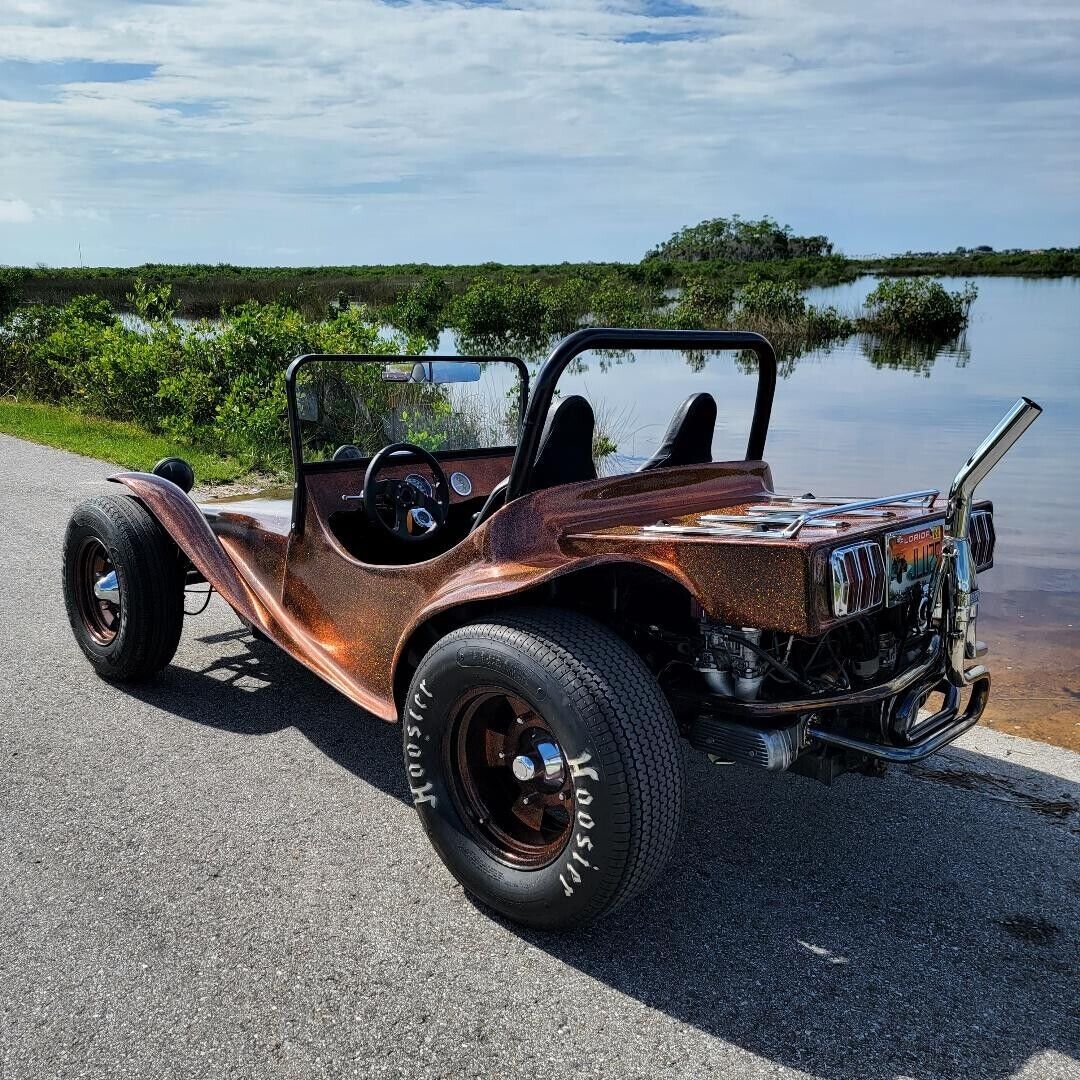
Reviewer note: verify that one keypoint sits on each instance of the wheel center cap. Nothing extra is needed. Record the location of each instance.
(524, 768)
(107, 588)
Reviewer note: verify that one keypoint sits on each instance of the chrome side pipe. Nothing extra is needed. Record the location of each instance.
(956, 589)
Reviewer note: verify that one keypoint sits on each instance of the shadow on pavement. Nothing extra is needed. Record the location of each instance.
(253, 688)
(880, 928)
(921, 925)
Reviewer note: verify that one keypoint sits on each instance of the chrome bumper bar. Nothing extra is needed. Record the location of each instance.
(927, 737)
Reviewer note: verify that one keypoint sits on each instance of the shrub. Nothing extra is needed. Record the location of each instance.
(421, 309)
(498, 307)
(704, 302)
(734, 240)
(10, 291)
(780, 301)
(917, 307)
(219, 386)
(565, 305)
(618, 302)
(826, 323)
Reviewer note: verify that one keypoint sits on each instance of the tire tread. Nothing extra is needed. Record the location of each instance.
(632, 729)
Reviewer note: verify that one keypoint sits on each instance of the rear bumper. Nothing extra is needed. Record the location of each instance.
(880, 722)
(924, 738)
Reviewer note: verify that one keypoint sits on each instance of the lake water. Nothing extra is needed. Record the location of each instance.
(845, 425)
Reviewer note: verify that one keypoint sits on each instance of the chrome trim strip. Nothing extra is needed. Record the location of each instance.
(983, 539)
(761, 521)
(858, 578)
(826, 509)
(926, 497)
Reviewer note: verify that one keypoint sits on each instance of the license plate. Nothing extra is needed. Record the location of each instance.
(911, 556)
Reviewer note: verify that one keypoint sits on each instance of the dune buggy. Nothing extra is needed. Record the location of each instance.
(550, 638)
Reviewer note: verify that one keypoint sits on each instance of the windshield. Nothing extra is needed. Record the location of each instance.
(439, 404)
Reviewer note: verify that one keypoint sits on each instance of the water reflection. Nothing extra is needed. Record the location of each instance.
(917, 356)
(883, 352)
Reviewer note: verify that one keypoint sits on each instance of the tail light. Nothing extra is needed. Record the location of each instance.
(981, 536)
(858, 578)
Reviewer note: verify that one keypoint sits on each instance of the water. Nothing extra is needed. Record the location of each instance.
(843, 426)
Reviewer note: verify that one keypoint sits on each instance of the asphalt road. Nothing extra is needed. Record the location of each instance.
(217, 875)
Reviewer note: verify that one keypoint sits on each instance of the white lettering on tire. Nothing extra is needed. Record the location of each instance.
(579, 768)
(421, 792)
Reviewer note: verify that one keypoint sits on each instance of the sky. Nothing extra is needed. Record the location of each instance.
(312, 132)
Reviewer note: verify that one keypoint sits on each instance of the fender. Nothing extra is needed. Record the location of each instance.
(189, 530)
(184, 522)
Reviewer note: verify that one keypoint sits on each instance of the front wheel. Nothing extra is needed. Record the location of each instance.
(123, 587)
(545, 765)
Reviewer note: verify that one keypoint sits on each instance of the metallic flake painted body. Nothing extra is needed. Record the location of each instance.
(349, 621)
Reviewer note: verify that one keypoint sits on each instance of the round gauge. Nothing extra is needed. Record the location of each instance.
(418, 482)
(461, 484)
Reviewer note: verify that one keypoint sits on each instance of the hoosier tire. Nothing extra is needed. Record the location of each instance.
(123, 588)
(545, 765)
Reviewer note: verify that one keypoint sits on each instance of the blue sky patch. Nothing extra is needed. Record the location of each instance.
(669, 9)
(24, 80)
(658, 37)
(192, 108)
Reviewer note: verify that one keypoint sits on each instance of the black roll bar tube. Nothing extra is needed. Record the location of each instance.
(299, 499)
(607, 338)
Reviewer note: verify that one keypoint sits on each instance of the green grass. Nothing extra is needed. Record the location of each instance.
(128, 445)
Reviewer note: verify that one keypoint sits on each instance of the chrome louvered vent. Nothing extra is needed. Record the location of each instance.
(858, 578)
(981, 536)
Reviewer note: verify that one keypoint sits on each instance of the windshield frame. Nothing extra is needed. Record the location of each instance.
(301, 468)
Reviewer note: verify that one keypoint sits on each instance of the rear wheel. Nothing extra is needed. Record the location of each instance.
(545, 765)
(123, 587)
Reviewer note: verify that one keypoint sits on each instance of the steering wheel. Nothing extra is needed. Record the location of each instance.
(416, 515)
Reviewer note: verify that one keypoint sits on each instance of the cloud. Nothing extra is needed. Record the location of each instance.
(15, 212)
(531, 130)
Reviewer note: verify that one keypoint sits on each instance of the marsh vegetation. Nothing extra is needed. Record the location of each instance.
(123, 344)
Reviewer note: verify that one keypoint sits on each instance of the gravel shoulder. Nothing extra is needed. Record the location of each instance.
(218, 875)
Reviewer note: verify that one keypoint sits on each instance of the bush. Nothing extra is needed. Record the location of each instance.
(826, 323)
(220, 386)
(780, 301)
(621, 303)
(917, 307)
(10, 291)
(565, 305)
(734, 240)
(498, 307)
(704, 303)
(421, 309)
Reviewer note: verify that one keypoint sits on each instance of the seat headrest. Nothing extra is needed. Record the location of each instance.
(688, 439)
(566, 451)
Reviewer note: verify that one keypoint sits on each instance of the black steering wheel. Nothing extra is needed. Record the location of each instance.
(416, 515)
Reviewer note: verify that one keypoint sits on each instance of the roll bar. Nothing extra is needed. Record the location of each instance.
(608, 338)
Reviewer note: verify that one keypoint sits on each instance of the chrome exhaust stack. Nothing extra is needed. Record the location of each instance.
(956, 591)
